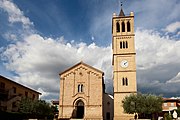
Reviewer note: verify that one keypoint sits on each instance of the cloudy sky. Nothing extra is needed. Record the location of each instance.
(41, 38)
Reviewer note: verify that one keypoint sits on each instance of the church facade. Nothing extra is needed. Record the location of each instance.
(82, 94)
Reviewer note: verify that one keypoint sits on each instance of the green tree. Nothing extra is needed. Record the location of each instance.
(143, 104)
(26, 106)
(178, 111)
(35, 108)
(167, 116)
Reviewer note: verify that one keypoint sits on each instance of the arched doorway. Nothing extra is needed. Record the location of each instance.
(79, 109)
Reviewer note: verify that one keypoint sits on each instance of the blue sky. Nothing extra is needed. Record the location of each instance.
(39, 39)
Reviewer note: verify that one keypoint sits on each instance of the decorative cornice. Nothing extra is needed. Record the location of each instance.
(125, 54)
(80, 65)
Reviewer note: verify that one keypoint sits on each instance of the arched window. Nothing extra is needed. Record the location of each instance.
(128, 27)
(123, 81)
(123, 27)
(121, 45)
(81, 88)
(126, 82)
(126, 44)
(117, 27)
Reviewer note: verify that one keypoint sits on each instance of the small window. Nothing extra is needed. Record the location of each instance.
(126, 44)
(128, 27)
(80, 88)
(33, 96)
(2, 85)
(117, 27)
(26, 94)
(172, 104)
(123, 27)
(121, 45)
(165, 104)
(14, 89)
(126, 82)
(123, 82)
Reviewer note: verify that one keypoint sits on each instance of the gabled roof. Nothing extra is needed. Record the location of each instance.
(9, 80)
(121, 13)
(171, 99)
(81, 63)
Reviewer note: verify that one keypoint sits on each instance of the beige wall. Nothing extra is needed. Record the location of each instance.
(118, 109)
(92, 95)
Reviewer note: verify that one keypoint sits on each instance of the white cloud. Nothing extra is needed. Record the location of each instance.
(158, 63)
(154, 49)
(38, 60)
(15, 14)
(176, 79)
(173, 27)
(10, 36)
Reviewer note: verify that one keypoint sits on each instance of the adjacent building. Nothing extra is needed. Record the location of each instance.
(82, 94)
(55, 103)
(12, 92)
(170, 104)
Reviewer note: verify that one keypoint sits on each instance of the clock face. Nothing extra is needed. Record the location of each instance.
(124, 63)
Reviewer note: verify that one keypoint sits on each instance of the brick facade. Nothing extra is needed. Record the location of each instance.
(81, 93)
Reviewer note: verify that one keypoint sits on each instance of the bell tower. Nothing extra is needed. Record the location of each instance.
(124, 65)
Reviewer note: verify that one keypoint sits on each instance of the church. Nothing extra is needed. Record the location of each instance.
(82, 88)
(82, 94)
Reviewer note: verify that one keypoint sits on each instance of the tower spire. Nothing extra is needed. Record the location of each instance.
(121, 12)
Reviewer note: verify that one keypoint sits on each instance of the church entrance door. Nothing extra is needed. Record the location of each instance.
(80, 109)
